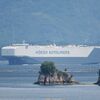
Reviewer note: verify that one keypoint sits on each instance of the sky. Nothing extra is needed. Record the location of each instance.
(50, 21)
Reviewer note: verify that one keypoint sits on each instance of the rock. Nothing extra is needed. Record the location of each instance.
(50, 75)
(98, 81)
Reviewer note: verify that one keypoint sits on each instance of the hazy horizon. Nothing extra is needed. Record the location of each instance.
(50, 21)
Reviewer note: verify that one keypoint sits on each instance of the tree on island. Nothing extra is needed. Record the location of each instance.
(47, 69)
(49, 74)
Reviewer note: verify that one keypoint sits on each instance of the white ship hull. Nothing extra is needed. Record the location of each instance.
(29, 54)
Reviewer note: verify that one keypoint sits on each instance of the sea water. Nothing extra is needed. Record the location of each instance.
(17, 83)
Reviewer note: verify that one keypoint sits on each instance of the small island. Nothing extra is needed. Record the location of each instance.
(50, 75)
(98, 81)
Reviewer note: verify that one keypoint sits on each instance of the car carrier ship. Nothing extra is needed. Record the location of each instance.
(33, 54)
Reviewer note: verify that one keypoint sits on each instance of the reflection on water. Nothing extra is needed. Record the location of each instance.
(54, 99)
(75, 92)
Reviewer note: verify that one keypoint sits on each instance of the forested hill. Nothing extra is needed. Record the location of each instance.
(48, 21)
